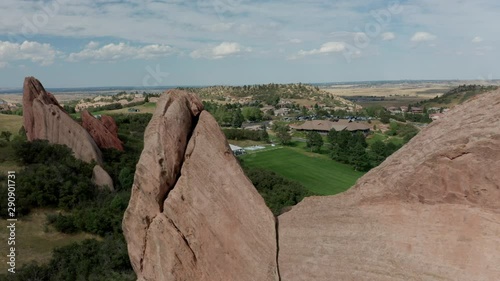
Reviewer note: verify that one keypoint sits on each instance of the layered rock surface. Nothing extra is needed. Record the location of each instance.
(104, 131)
(193, 214)
(45, 119)
(431, 211)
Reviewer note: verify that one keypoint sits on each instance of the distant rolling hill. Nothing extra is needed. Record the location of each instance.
(456, 96)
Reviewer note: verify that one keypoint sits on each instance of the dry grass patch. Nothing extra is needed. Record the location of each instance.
(35, 240)
(11, 123)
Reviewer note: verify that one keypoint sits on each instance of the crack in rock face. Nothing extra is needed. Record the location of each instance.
(193, 214)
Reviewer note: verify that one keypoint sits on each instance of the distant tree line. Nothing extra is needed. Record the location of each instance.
(239, 134)
(353, 149)
(458, 94)
(290, 91)
(233, 115)
(18, 111)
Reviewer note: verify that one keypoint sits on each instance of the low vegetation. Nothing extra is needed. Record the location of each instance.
(278, 192)
(53, 178)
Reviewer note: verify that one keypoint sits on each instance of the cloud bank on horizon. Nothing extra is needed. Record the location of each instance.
(102, 42)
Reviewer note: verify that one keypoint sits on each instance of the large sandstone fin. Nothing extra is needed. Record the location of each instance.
(431, 211)
(103, 137)
(193, 214)
(45, 119)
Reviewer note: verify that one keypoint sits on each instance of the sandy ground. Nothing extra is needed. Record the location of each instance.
(423, 92)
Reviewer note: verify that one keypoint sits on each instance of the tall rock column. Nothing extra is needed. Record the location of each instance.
(193, 214)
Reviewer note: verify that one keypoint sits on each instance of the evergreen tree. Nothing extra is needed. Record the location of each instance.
(237, 119)
(314, 141)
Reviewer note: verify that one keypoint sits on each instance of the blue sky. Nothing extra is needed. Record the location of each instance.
(79, 43)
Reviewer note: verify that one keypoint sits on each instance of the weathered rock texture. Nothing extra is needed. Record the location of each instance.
(110, 124)
(101, 178)
(193, 214)
(45, 119)
(105, 133)
(431, 211)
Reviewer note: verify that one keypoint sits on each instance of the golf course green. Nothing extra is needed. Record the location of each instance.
(316, 172)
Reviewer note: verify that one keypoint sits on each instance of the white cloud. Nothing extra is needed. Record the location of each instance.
(120, 51)
(422, 37)
(477, 39)
(41, 53)
(220, 51)
(92, 45)
(329, 47)
(388, 36)
(295, 41)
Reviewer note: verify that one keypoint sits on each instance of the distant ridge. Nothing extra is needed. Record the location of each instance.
(320, 84)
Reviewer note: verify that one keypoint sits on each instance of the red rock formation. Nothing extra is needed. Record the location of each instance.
(431, 211)
(193, 214)
(45, 119)
(110, 124)
(104, 137)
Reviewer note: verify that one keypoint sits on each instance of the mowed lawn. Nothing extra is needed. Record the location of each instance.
(316, 172)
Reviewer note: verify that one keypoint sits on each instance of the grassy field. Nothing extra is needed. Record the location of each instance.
(11, 123)
(144, 108)
(316, 172)
(385, 138)
(35, 241)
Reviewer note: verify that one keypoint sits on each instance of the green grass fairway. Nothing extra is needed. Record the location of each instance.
(316, 172)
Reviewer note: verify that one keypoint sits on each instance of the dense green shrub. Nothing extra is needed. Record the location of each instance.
(277, 191)
(51, 177)
(239, 134)
(105, 260)
(349, 148)
(102, 216)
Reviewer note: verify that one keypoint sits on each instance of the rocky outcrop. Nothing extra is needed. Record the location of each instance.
(110, 124)
(431, 211)
(45, 119)
(193, 214)
(105, 133)
(101, 178)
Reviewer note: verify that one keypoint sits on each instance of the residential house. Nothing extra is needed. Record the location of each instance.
(417, 110)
